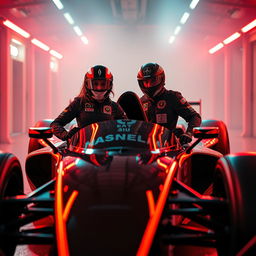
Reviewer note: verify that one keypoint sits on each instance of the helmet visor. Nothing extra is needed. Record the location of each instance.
(99, 84)
(151, 82)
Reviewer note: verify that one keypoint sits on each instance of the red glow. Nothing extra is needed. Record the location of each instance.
(152, 137)
(95, 128)
(162, 164)
(69, 204)
(249, 26)
(151, 202)
(210, 142)
(153, 222)
(15, 28)
(61, 233)
(216, 48)
(231, 38)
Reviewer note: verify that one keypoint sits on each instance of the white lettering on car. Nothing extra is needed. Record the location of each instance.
(116, 137)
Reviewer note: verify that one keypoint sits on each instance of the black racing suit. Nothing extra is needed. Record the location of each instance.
(86, 112)
(165, 108)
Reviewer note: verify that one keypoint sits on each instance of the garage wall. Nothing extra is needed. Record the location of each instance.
(124, 50)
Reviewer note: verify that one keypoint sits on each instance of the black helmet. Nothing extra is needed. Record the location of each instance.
(98, 79)
(151, 79)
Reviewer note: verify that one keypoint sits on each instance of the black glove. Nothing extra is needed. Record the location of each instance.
(72, 132)
(178, 132)
(185, 138)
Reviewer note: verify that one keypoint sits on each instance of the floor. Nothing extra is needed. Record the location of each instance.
(19, 147)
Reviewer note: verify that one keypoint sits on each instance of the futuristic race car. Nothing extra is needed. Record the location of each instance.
(128, 187)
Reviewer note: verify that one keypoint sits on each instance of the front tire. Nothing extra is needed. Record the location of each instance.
(11, 184)
(235, 181)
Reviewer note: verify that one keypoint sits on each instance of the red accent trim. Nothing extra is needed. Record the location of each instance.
(95, 128)
(245, 249)
(151, 202)
(61, 232)
(69, 204)
(153, 222)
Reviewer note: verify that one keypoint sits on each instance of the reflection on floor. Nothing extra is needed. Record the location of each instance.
(19, 147)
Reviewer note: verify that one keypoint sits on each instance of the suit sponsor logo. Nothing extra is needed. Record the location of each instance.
(89, 107)
(161, 118)
(161, 104)
(145, 106)
(125, 126)
(183, 101)
(107, 109)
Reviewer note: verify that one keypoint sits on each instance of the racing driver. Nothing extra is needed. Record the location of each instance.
(164, 106)
(93, 103)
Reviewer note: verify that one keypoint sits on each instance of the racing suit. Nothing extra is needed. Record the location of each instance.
(86, 112)
(165, 108)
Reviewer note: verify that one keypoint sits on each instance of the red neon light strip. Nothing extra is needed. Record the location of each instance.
(61, 232)
(161, 164)
(15, 28)
(69, 204)
(95, 128)
(249, 26)
(153, 222)
(151, 203)
(153, 136)
(247, 246)
(160, 135)
(231, 38)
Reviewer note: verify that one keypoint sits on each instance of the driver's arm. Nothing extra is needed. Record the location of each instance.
(65, 117)
(187, 112)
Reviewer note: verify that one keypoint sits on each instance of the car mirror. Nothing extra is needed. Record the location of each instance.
(206, 132)
(40, 132)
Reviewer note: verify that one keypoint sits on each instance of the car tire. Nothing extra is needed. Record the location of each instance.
(235, 177)
(223, 145)
(11, 184)
(34, 144)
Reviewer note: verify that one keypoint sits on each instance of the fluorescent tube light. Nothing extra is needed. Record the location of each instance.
(15, 28)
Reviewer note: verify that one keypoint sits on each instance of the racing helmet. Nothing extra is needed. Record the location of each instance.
(151, 79)
(98, 82)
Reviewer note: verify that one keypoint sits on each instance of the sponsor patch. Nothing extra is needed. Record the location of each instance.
(145, 106)
(89, 107)
(107, 109)
(125, 126)
(161, 104)
(183, 101)
(161, 118)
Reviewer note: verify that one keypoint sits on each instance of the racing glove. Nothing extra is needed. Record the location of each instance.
(185, 138)
(178, 132)
(72, 132)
